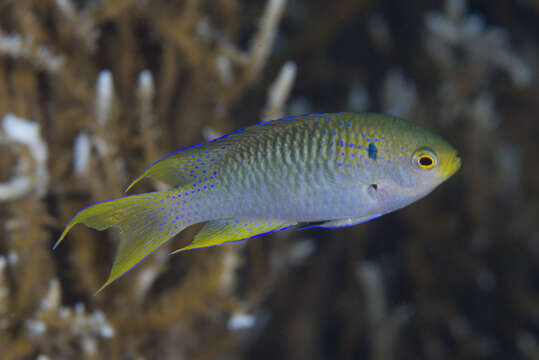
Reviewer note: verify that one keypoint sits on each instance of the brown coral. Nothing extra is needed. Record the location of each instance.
(104, 88)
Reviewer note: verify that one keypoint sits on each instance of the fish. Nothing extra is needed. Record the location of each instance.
(320, 170)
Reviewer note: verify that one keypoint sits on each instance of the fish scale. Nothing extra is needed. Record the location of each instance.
(326, 170)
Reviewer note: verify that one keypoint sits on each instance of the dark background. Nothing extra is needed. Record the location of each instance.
(454, 276)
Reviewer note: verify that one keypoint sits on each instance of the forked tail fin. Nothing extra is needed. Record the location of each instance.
(146, 222)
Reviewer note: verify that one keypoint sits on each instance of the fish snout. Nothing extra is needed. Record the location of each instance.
(453, 165)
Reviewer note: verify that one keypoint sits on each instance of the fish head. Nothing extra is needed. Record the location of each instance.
(411, 163)
(423, 161)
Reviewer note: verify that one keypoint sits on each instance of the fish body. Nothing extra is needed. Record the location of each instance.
(329, 169)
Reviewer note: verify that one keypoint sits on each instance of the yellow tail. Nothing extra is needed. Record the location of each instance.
(146, 222)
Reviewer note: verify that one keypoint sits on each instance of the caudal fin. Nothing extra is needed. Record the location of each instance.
(146, 222)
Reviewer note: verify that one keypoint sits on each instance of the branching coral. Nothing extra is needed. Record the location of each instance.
(126, 113)
(91, 92)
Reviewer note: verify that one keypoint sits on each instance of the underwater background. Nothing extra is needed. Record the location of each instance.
(91, 92)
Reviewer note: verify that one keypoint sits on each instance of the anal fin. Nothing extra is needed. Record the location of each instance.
(219, 232)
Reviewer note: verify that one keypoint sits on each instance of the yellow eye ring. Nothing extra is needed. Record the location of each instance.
(425, 159)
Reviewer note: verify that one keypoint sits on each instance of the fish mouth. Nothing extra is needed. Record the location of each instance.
(453, 165)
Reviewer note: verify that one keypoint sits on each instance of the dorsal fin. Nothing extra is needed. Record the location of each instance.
(186, 165)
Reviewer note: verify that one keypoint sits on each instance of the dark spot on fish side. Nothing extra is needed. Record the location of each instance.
(373, 152)
(372, 191)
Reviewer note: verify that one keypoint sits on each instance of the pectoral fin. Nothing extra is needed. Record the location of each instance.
(219, 232)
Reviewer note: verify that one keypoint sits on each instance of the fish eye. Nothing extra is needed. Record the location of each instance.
(425, 159)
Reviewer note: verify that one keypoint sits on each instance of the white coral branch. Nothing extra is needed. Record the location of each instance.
(23, 47)
(29, 173)
(279, 91)
(263, 40)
